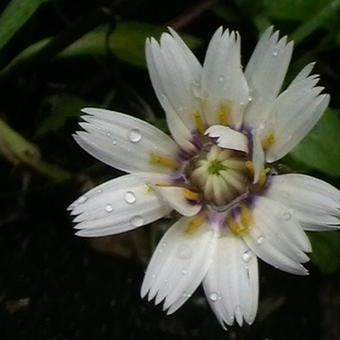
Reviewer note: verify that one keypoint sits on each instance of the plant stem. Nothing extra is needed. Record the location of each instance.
(18, 150)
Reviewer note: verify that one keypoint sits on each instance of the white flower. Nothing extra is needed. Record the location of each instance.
(228, 127)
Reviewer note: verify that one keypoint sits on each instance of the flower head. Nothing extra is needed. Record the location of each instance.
(227, 128)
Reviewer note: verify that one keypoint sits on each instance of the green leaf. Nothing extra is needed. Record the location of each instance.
(61, 107)
(326, 251)
(126, 42)
(320, 149)
(297, 10)
(14, 17)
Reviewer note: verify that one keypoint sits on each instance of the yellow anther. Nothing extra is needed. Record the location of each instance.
(246, 216)
(263, 176)
(199, 122)
(191, 195)
(223, 114)
(194, 224)
(268, 141)
(250, 167)
(163, 161)
(241, 227)
(237, 228)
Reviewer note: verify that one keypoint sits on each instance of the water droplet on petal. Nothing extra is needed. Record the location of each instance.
(260, 240)
(246, 256)
(286, 216)
(137, 221)
(130, 197)
(275, 53)
(221, 78)
(114, 142)
(184, 252)
(213, 297)
(195, 87)
(153, 276)
(135, 135)
(108, 207)
(250, 99)
(185, 272)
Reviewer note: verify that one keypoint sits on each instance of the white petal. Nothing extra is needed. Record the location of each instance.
(180, 132)
(174, 72)
(223, 82)
(276, 237)
(179, 264)
(296, 111)
(316, 204)
(124, 142)
(228, 138)
(175, 197)
(265, 73)
(119, 205)
(231, 284)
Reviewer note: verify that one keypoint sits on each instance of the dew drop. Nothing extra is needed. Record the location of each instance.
(135, 135)
(260, 240)
(130, 197)
(114, 142)
(137, 221)
(221, 78)
(108, 133)
(275, 53)
(250, 99)
(108, 208)
(195, 87)
(184, 272)
(286, 216)
(213, 297)
(153, 276)
(184, 252)
(246, 256)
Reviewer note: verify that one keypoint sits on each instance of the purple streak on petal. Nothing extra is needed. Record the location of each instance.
(196, 140)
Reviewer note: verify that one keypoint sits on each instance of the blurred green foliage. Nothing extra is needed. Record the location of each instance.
(313, 23)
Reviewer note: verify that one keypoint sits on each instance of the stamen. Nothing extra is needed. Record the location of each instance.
(246, 216)
(250, 167)
(191, 195)
(199, 122)
(268, 141)
(241, 227)
(223, 114)
(162, 161)
(194, 224)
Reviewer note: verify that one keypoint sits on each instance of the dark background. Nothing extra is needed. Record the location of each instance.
(54, 285)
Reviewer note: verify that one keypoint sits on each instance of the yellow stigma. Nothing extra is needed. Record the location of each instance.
(268, 141)
(199, 122)
(162, 161)
(194, 224)
(241, 227)
(223, 114)
(191, 195)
